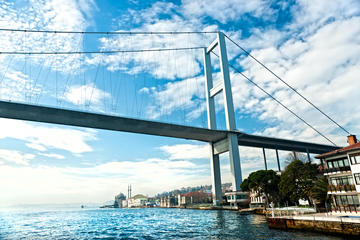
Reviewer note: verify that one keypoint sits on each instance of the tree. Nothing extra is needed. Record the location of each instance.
(245, 185)
(319, 191)
(296, 181)
(264, 182)
(296, 156)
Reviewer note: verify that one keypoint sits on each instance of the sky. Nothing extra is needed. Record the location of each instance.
(313, 45)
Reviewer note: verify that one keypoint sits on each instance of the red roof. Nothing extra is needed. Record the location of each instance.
(341, 150)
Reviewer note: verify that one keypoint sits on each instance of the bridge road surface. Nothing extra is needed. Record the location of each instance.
(53, 115)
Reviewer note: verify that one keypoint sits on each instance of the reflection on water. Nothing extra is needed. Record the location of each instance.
(138, 224)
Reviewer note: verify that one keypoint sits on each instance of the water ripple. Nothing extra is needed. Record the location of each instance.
(138, 224)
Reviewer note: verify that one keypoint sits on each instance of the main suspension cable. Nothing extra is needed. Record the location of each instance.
(100, 52)
(288, 85)
(108, 33)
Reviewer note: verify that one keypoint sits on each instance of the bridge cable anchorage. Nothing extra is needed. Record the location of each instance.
(112, 33)
(271, 96)
(288, 85)
(101, 52)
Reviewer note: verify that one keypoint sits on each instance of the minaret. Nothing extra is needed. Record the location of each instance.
(129, 191)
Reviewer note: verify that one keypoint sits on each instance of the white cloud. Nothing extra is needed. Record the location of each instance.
(95, 184)
(186, 151)
(168, 64)
(164, 64)
(187, 94)
(25, 78)
(52, 155)
(144, 90)
(17, 86)
(36, 146)
(85, 95)
(323, 67)
(46, 15)
(72, 140)
(225, 11)
(87, 7)
(309, 16)
(101, 182)
(11, 156)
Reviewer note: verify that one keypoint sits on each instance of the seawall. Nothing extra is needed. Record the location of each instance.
(331, 225)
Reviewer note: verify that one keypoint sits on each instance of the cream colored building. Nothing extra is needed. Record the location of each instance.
(342, 168)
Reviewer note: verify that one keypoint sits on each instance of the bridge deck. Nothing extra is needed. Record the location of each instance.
(100, 121)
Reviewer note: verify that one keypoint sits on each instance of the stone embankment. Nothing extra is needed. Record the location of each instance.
(343, 225)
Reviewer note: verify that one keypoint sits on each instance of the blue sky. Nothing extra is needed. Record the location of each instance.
(313, 45)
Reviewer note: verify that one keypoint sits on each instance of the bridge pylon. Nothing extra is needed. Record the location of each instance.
(231, 143)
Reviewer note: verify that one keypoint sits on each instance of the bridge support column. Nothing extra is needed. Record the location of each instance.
(265, 163)
(232, 141)
(215, 176)
(277, 159)
(235, 165)
(308, 155)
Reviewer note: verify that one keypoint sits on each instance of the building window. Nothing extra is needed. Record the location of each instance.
(357, 178)
(356, 200)
(330, 165)
(345, 180)
(339, 163)
(345, 200)
(355, 158)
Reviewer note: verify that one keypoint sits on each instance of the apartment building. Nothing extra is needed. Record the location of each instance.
(342, 168)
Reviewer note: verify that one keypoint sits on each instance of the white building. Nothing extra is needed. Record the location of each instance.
(138, 200)
(256, 200)
(342, 168)
(238, 199)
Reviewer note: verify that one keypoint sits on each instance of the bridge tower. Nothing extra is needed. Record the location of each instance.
(231, 142)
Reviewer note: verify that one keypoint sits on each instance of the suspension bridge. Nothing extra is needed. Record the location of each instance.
(114, 76)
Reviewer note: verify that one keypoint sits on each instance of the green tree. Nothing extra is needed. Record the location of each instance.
(319, 191)
(245, 185)
(297, 180)
(265, 182)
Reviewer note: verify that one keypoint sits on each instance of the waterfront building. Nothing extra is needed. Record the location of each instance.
(256, 200)
(195, 197)
(119, 200)
(238, 199)
(169, 201)
(124, 203)
(151, 202)
(342, 168)
(138, 200)
(163, 202)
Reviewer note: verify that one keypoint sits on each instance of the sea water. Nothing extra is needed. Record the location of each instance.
(145, 223)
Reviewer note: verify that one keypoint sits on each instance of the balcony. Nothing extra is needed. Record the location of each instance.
(342, 188)
(338, 169)
(353, 208)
